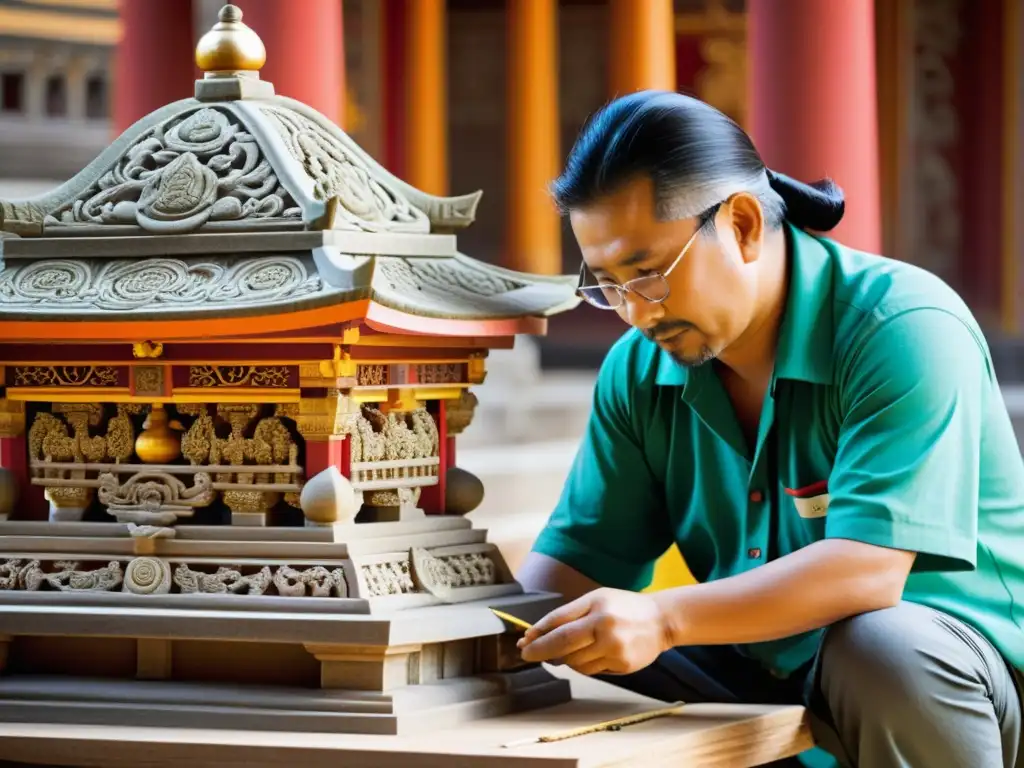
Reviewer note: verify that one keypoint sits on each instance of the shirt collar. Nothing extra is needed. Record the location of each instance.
(806, 335)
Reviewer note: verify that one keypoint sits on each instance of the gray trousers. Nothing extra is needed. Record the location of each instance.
(905, 687)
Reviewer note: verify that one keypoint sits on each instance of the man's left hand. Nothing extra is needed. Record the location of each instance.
(607, 631)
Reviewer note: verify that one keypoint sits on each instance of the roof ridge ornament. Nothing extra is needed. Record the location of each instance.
(230, 56)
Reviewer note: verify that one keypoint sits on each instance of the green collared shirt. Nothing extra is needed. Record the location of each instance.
(883, 423)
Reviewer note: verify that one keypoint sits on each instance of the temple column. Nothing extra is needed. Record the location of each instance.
(154, 61)
(642, 40)
(13, 456)
(426, 133)
(810, 120)
(305, 48)
(533, 235)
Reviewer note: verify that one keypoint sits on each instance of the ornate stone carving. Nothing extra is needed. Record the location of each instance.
(392, 577)
(224, 580)
(118, 285)
(199, 167)
(147, 576)
(314, 582)
(439, 574)
(463, 276)
(238, 376)
(61, 575)
(154, 498)
(65, 375)
(363, 202)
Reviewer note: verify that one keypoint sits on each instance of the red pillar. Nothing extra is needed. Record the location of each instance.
(432, 498)
(320, 454)
(394, 66)
(813, 101)
(155, 61)
(305, 50)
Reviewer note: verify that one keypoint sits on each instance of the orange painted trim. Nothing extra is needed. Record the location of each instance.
(180, 330)
(387, 320)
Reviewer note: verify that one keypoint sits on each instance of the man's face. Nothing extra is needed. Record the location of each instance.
(712, 289)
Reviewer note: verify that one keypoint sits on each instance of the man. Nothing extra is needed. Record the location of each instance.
(821, 433)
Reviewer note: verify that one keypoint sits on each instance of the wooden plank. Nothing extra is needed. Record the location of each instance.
(702, 736)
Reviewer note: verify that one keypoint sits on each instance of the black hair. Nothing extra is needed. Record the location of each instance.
(695, 155)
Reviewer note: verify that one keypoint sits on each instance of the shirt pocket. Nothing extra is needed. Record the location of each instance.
(810, 501)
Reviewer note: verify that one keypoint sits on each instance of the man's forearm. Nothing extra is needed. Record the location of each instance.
(808, 589)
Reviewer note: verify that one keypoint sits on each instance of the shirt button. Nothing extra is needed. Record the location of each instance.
(754, 552)
(756, 497)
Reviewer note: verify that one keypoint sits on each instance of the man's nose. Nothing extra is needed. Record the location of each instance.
(641, 313)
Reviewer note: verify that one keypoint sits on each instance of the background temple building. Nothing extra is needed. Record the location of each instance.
(912, 106)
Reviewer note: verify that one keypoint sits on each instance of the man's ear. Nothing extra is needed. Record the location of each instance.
(747, 222)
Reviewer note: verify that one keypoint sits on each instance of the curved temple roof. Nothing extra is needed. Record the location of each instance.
(240, 203)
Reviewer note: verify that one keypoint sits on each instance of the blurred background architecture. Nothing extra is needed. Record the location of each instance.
(913, 106)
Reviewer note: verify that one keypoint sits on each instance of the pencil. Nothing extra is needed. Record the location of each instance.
(515, 622)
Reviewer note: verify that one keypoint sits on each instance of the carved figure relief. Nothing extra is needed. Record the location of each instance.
(147, 575)
(118, 285)
(203, 166)
(363, 202)
(60, 575)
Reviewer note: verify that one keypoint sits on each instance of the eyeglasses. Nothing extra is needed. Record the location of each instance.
(653, 288)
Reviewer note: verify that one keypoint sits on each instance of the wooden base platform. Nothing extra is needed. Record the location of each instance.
(700, 736)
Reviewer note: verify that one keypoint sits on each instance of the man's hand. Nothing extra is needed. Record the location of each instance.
(608, 631)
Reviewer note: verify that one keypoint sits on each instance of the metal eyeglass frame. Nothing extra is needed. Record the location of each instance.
(621, 290)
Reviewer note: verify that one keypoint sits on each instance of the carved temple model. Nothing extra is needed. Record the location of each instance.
(235, 357)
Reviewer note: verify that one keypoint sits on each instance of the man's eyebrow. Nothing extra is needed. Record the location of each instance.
(634, 258)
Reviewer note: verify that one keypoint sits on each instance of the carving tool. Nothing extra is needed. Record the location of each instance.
(610, 725)
(514, 621)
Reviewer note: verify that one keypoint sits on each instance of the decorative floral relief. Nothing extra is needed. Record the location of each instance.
(238, 376)
(181, 174)
(364, 203)
(123, 284)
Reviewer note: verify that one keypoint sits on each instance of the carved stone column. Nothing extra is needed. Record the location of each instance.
(13, 453)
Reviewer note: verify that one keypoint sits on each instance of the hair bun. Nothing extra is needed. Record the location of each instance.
(818, 206)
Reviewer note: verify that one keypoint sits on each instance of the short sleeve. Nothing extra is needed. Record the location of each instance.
(610, 523)
(906, 473)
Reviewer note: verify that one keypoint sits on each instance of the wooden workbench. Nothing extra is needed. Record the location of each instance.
(701, 736)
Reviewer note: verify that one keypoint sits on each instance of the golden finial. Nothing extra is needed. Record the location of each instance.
(230, 46)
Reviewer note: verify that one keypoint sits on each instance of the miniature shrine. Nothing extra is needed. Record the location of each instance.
(235, 358)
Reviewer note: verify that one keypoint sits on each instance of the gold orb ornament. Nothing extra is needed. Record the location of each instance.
(158, 443)
(230, 46)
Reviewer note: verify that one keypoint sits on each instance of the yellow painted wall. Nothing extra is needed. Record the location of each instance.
(670, 571)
